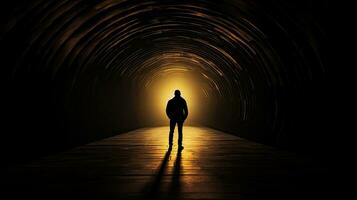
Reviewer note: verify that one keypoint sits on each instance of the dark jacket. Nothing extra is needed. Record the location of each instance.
(176, 109)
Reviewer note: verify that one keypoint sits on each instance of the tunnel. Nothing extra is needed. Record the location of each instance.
(259, 77)
(85, 70)
(80, 71)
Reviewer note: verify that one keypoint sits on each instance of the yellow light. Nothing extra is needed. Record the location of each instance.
(162, 90)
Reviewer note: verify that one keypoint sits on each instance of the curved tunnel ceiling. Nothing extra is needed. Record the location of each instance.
(242, 57)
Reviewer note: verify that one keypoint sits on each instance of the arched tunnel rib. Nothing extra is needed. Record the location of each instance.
(87, 66)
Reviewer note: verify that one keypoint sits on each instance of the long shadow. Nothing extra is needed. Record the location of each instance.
(174, 191)
(152, 190)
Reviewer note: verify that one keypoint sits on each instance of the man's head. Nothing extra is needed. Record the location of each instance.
(177, 93)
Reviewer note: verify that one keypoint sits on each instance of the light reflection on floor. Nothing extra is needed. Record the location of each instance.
(183, 171)
(137, 165)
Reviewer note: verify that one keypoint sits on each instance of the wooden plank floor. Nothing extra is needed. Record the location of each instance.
(137, 165)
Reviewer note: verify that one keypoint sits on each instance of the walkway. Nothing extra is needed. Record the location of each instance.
(136, 165)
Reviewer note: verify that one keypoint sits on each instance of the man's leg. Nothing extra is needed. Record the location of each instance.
(179, 127)
(171, 134)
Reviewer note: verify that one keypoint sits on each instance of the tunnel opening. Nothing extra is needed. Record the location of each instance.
(84, 70)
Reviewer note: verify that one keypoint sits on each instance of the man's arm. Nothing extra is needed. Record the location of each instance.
(185, 109)
(168, 110)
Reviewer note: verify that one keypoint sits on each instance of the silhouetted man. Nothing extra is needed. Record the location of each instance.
(177, 111)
